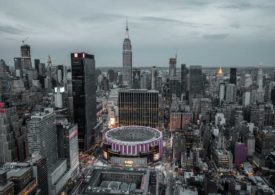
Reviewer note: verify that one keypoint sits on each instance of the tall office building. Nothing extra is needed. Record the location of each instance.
(221, 92)
(154, 75)
(26, 57)
(127, 59)
(68, 143)
(136, 78)
(172, 67)
(138, 107)
(36, 65)
(41, 136)
(84, 97)
(40, 171)
(196, 81)
(233, 76)
(8, 148)
(248, 81)
(174, 87)
(3, 79)
(260, 90)
(260, 77)
(145, 80)
(184, 73)
(230, 92)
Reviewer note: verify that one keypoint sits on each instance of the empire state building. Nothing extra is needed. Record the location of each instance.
(127, 59)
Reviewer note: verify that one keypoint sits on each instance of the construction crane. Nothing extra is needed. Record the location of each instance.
(23, 41)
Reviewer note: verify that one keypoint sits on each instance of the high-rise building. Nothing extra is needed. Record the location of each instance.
(230, 92)
(233, 76)
(136, 78)
(248, 81)
(40, 171)
(184, 80)
(8, 148)
(138, 107)
(4, 80)
(154, 75)
(127, 59)
(68, 143)
(36, 65)
(84, 97)
(246, 98)
(26, 57)
(260, 77)
(239, 153)
(41, 136)
(174, 87)
(221, 92)
(172, 67)
(145, 80)
(12, 136)
(260, 90)
(196, 81)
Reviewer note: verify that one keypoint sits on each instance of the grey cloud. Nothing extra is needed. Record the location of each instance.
(216, 36)
(157, 27)
(10, 30)
(169, 20)
(232, 5)
(246, 5)
(103, 17)
(235, 25)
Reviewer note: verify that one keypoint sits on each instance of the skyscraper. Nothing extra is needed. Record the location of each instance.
(196, 81)
(26, 57)
(138, 107)
(260, 77)
(136, 78)
(41, 136)
(221, 92)
(84, 97)
(260, 90)
(233, 76)
(184, 72)
(230, 92)
(154, 74)
(172, 67)
(127, 59)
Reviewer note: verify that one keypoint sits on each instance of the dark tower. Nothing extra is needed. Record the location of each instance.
(184, 73)
(84, 97)
(196, 82)
(233, 76)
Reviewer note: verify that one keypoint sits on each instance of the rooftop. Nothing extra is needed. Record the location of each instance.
(133, 133)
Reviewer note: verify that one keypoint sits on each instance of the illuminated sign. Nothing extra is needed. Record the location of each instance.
(75, 55)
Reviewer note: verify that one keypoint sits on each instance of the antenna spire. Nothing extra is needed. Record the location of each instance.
(127, 30)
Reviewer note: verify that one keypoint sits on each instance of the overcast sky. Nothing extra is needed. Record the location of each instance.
(204, 32)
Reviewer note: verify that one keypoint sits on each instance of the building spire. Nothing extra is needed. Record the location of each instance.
(127, 30)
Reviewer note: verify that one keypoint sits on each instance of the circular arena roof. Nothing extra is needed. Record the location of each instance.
(133, 134)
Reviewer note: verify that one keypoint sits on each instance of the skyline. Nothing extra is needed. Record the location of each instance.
(209, 33)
